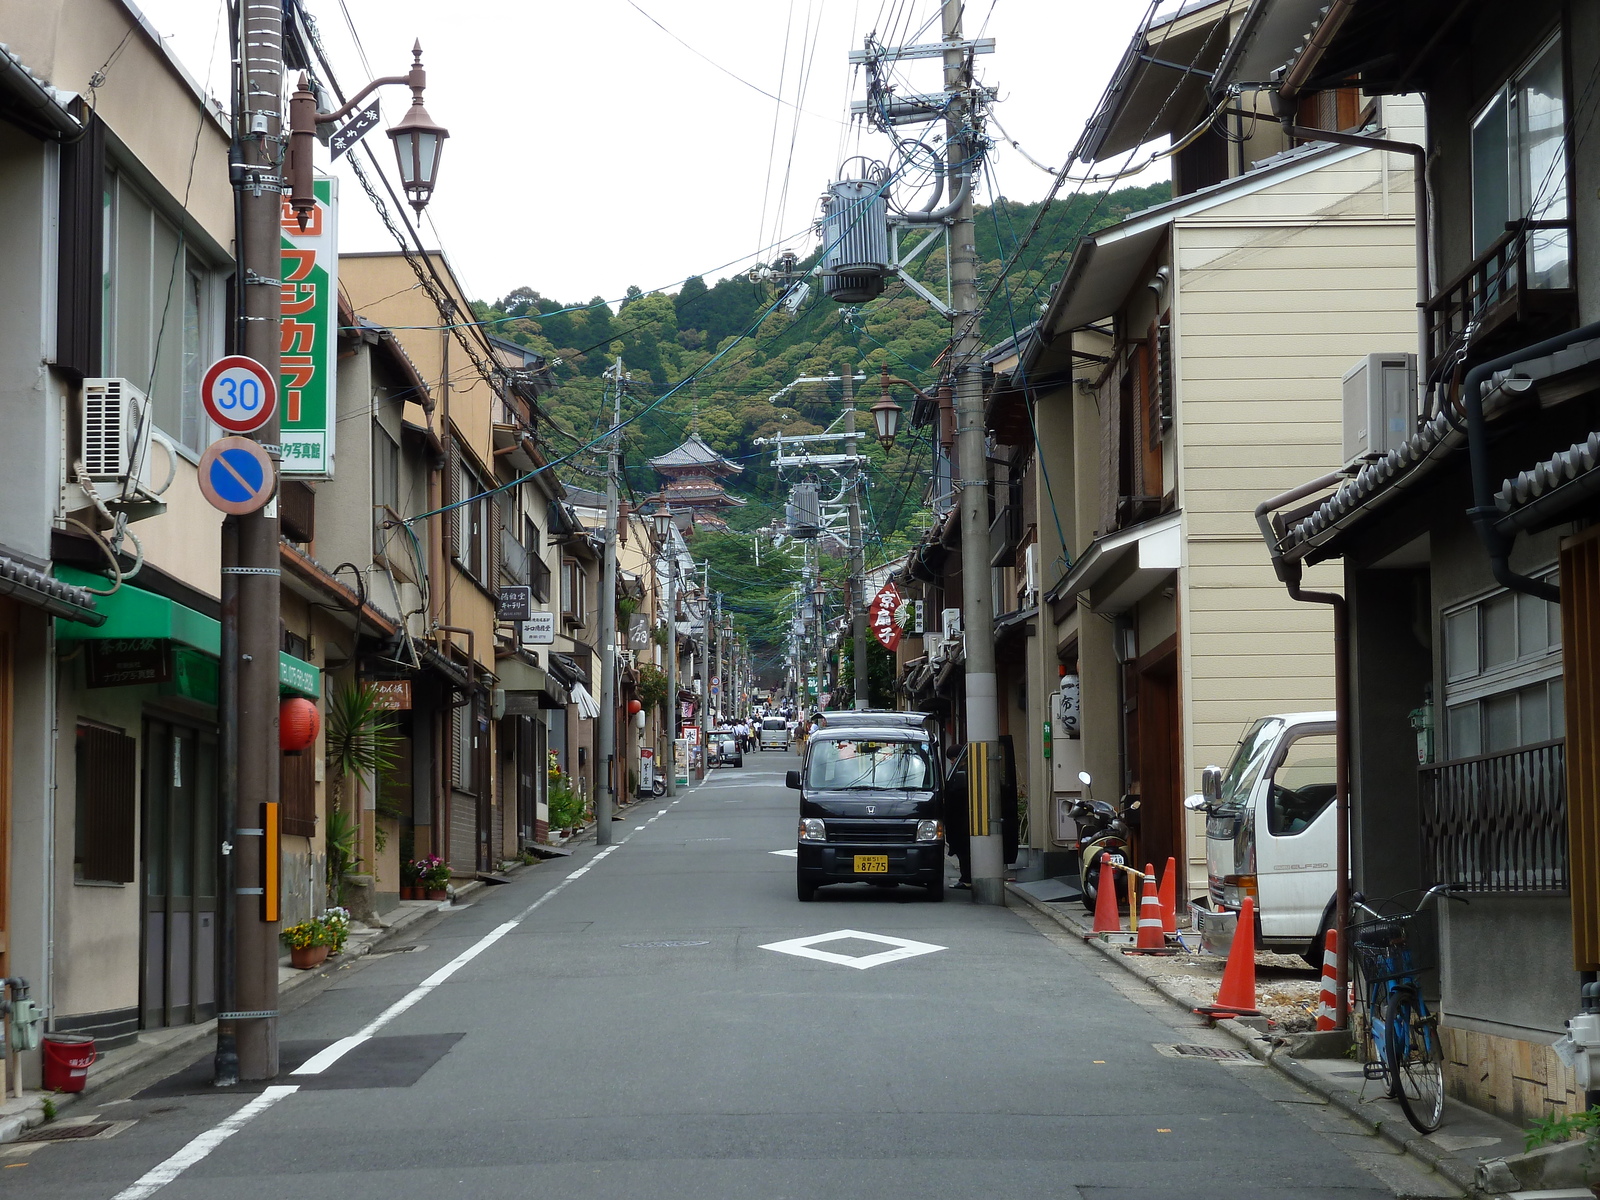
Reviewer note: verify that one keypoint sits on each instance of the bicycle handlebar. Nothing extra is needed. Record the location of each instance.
(1357, 900)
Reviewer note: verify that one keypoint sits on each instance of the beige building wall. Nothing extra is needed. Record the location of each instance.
(1279, 293)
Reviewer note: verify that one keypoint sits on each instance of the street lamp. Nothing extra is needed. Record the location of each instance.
(886, 416)
(417, 140)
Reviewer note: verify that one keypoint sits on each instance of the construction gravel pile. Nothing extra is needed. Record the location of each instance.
(1286, 988)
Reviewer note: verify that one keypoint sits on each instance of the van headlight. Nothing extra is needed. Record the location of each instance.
(813, 830)
(930, 831)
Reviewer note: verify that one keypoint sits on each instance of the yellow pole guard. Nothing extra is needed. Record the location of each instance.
(978, 788)
(271, 855)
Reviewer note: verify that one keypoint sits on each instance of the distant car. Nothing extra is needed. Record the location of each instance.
(774, 734)
(728, 752)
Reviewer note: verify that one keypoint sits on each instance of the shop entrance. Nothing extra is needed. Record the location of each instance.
(178, 952)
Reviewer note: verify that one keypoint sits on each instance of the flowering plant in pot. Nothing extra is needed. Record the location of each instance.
(410, 879)
(433, 876)
(337, 923)
(308, 942)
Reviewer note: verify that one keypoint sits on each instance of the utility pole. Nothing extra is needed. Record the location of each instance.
(858, 551)
(606, 795)
(247, 1025)
(671, 552)
(705, 670)
(977, 601)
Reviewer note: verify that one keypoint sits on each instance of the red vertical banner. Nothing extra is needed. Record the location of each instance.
(881, 616)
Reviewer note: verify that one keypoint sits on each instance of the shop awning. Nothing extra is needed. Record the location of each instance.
(588, 707)
(133, 614)
(528, 688)
(1121, 569)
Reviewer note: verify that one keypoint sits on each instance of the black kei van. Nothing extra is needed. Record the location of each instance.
(869, 810)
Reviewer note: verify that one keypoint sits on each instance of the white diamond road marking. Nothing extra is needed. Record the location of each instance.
(785, 853)
(807, 948)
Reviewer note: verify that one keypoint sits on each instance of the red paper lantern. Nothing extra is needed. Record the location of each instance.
(633, 707)
(298, 722)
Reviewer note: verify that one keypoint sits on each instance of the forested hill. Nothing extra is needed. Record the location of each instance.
(664, 339)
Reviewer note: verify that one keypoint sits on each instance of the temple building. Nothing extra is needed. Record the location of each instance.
(692, 479)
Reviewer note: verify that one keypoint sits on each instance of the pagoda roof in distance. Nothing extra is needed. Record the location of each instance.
(695, 453)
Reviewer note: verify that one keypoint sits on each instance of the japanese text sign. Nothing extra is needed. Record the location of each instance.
(309, 347)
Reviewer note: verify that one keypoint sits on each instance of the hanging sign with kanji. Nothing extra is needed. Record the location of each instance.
(310, 333)
(881, 616)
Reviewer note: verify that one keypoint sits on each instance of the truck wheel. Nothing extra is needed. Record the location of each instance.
(806, 891)
(936, 891)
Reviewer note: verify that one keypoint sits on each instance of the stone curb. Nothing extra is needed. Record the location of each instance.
(1396, 1131)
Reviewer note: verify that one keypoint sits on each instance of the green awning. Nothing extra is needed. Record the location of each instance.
(132, 612)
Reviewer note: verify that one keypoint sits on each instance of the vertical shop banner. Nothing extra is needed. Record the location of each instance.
(308, 401)
(882, 614)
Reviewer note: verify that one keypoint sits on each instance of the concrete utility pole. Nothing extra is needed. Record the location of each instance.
(705, 669)
(858, 551)
(977, 600)
(671, 552)
(606, 795)
(247, 1025)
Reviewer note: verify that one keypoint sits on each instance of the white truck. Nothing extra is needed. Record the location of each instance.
(1270, 835)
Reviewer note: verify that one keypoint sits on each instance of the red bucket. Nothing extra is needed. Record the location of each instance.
(67, 1058)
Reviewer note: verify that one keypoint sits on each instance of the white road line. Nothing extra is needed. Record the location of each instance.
(661, 811)
(636, 828)
(158, 1176)
(580, 871)
(601, 855)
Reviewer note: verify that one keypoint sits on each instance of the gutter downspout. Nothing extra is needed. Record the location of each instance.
(1419, 188)
(1288, 574)
(1307, 62)
(1483, 511)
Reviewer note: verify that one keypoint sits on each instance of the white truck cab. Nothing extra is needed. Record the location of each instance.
(1270, 834)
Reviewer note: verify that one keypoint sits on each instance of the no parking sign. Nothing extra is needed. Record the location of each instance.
(237, 476)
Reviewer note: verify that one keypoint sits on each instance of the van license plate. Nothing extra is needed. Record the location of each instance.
(872, 864)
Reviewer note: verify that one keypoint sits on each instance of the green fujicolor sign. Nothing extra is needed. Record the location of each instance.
(310, 335)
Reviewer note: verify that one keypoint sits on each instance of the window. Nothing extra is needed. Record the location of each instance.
(475, 525)
(1502, 665)
(1303, 784)
(866, 765)
(385, 485)
(1519, 166)
(470, 738)
(538, 573)
(573, 597)
(159, 323)
(297, 792)
(103, 835)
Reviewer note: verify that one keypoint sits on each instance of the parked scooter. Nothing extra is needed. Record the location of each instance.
(1102, 835)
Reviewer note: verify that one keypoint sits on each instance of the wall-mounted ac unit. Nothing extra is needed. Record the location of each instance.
(950, 622)
(933, 644)
(116, 432)
(1380, 403)
(1030, 571)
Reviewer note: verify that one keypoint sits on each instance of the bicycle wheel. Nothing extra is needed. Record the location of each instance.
(1415, 1059)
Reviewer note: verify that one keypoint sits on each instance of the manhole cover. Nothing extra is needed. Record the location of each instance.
(1188, 1051)
(659, 945)
(74, 1133)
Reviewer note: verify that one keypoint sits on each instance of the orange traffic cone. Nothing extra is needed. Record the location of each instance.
(1328, 1008)
(1237, 995)
(1106, 919)
(1152, 938)
(1169, 897)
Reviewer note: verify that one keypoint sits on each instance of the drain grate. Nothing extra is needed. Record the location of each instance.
(1220, 1052)
(73, 1133)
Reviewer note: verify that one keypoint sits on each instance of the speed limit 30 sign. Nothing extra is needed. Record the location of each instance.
(239, 394)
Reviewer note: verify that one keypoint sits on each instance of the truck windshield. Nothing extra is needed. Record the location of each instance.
(1248, 760)
(848, 765)
(774, 723)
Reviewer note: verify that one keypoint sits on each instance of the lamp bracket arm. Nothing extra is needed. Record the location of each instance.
(349, 105)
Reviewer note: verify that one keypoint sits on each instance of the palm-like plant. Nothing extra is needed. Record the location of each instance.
(361, 740)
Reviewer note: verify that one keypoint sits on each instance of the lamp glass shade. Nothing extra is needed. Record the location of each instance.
(417, 145)
(886, 415)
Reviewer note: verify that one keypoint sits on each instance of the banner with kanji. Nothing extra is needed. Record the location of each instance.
(310, 335)
(881, 615)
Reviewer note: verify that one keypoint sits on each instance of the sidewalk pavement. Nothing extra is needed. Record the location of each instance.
(1467, 1136)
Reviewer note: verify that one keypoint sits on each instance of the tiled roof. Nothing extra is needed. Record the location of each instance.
(695, 453)
(1559, 469)
(38, 587)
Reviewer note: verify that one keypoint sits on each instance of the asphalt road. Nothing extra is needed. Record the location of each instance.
(631, 1032)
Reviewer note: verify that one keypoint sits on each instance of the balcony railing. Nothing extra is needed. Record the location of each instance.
(513, 558)
(1521, 283)
(1498, 822)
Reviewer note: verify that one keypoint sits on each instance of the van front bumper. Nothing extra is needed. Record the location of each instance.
(1216, 926)
(835, 862)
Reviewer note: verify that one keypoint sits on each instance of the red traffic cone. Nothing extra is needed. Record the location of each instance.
(1237, 995)
(1328, 1008)
(1169, 897)
(1152, 938)
(1106, 919)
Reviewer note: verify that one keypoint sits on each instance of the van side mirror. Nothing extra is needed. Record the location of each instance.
(791, 779)
(1211, 784)
(1195, 802)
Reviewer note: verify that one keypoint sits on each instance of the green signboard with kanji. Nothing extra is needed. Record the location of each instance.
(310, 336)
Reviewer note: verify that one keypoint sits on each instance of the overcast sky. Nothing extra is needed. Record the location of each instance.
(589, 150)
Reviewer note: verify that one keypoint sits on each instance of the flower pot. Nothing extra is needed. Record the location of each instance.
(410, 892)
(305, 957)
(438, 894)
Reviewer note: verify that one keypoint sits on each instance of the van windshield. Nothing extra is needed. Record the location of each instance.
(1248, 760)
(774, 723)
(850, 765)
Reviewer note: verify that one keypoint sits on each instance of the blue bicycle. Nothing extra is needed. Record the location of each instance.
(1402, 1035)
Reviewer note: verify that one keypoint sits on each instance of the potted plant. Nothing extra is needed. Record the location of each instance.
(308, 943)
(433, 876)
(337, 922)
(410, 880)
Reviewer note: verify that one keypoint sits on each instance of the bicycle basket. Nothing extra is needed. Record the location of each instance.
(1393, 947)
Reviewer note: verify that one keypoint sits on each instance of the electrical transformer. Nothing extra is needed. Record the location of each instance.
(804, 512)
(855, 241)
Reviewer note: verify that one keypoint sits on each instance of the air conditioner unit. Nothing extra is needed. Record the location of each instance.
(116, 432)
(950, 622)
(1030, 570)
(1379, 405)
(932, 644)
